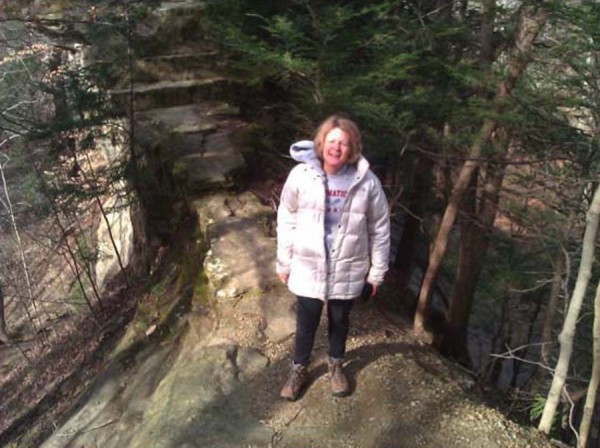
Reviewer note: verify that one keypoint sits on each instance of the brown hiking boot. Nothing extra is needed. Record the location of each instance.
(339, 382)
(295, 382)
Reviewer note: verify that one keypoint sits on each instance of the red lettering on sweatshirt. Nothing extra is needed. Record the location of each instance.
(337, 193)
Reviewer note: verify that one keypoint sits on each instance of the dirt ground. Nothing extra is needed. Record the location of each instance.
(403, 395)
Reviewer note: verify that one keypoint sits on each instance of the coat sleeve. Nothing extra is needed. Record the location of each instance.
(378, 227)
(286, 224)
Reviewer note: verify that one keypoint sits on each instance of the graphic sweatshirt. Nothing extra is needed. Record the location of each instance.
(337, 186)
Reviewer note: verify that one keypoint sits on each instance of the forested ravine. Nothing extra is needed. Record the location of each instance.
(143, 149)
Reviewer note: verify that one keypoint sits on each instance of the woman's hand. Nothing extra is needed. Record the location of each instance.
(284, 278)
(373, 290)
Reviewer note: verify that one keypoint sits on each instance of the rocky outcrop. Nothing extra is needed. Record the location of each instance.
(240, 255)
(183, 118)
(168, 90)
(214, 381)
(186, 392)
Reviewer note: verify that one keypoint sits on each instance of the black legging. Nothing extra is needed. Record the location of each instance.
(307, 321)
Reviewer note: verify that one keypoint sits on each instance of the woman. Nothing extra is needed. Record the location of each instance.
(333, 235)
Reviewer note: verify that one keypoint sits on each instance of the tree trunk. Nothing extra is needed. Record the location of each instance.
(557, 278)
(3, 333)
(473, 242)
(568, 331)
(560, 265)
(454, 336)
(486, 33)
(413, 225)
(462, 9)
(499, 343)
(525, 333)
(474, 239)
(590, 400)
(475, 245)
(532, 18)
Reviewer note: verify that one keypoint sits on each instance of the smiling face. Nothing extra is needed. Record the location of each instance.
(336, 149)
(337, 142)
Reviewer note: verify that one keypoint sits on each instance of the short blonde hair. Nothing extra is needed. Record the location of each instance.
(346, 125)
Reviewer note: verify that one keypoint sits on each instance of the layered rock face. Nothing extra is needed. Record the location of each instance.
(185, 122)
(173, 100)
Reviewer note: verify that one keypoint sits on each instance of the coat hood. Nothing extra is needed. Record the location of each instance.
(303, 151)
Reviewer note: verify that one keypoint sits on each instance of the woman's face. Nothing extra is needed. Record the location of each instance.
(335, 150)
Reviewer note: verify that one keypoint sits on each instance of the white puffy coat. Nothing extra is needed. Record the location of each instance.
(361, 242)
